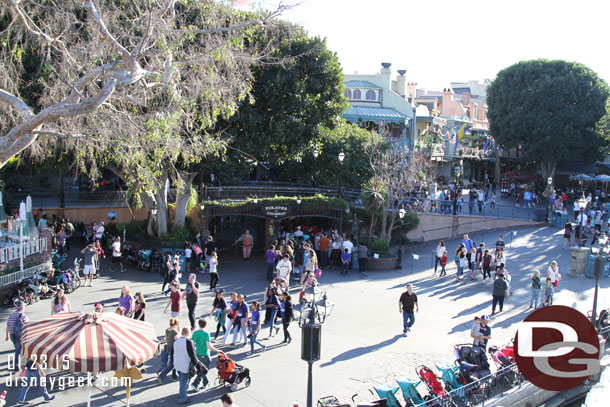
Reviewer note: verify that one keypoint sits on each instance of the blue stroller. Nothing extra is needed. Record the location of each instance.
(409, 392)
(388, 392)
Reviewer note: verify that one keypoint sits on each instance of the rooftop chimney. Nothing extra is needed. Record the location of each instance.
(401, 83)
(385, 73)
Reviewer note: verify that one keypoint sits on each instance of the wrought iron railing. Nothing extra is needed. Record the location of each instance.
(241, 192)
(20, 275)
(31, 246)
(482, 391)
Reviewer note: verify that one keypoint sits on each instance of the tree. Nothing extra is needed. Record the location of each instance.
(132, 85)
(291, 102)
(395, 173)
(550, 109)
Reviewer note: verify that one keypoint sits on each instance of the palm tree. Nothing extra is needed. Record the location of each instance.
(373, 197)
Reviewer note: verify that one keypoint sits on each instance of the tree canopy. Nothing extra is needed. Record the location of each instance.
(550, 109)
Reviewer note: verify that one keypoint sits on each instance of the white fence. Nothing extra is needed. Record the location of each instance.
(31, 246)
(20, 275)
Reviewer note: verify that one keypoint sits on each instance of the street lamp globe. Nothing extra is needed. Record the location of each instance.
(582, 203)
(402, 213)
(316, 153)
(341, 156)
(299, 200)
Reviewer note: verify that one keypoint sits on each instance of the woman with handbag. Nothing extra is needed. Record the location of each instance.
(220, 307)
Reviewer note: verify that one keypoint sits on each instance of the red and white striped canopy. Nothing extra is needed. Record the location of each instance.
(91, 342)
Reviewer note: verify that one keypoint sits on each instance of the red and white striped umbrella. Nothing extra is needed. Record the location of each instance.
(91, 342)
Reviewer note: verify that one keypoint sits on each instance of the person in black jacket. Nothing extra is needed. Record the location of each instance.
(286, 312)
(499, 291)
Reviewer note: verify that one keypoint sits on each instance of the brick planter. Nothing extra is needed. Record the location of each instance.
(382, 263)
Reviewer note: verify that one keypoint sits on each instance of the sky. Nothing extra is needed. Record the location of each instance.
(444, 41)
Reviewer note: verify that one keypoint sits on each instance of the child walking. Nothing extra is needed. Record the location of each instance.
(443, 264)
(213, 264)
(548, 292)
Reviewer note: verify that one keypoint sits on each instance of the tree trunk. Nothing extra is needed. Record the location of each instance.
(183, 195)
(497, 174)
(548, 171)
(384, 222)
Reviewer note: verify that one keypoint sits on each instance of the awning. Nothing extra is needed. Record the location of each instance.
(575, 167)
(356, 113)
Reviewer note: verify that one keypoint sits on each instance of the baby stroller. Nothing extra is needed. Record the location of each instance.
(144, 259)
(232, 373)
(503, 358)
(410, 393)
(472, 362)
(387, 392)
(427, 376)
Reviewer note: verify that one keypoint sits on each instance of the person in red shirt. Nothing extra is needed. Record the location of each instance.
(175, 301)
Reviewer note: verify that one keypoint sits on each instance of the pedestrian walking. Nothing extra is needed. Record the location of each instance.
(440, 249)
(34, 373)
(408, 305)
(241, 320)
(167, 355)
(286, 313)
(188, 252)
(175, 301)
(14, 330)
(460, 261)
(60, 303)
(311, 265)
(549, 287)
(443, 264)
(270, 257)
(283, 269)
(255, 326)
(567, 235)
(553, 273)
(231, 311)
(89, 263)
(219, 312)
(472, 258)
(536, 285)
(363, 257)
(99, 254)
(499, 292)
(203, 346)
(139, 312)
(500, 244)
(192, 297)
(213, 265)
(184, 355)
(126, 301)
(486, 264)
(210, 247)
(272, 305)
(116, 254)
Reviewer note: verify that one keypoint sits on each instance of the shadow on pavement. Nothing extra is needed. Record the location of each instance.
(349, 354)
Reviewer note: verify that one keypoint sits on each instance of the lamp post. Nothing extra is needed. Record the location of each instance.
(401, 214)
(549, 182)
(582, 204)
(153, 214)
(316, 154)
(314, 309)
(341, 157)
(598, 270)
(21, 223)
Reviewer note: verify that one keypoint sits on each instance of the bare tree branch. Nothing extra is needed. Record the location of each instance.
(22, 108)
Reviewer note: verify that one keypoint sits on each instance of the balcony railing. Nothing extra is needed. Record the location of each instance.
(473, 152)
(11, 252)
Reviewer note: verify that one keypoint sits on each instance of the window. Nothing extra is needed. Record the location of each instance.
(357, 95)
(348, 93)
(370, 95)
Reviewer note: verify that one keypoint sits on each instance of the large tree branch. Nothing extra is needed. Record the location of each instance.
(19, 105)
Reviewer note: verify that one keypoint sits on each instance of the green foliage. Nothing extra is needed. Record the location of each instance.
(307, 200)
(179, 235)
(135, 228)
(550, 109)
(379, 246)
(193, 200)
(408, 223)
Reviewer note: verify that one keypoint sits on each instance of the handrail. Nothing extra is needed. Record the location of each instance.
(32, 246)
(20, 275)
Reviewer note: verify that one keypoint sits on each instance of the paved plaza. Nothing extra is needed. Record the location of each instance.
(362, 343)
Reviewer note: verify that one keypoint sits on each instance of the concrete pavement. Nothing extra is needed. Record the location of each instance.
(362, 343)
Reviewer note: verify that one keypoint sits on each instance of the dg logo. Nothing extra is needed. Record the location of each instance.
(557, 348)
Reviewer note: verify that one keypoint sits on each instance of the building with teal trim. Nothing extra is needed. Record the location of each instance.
(381, 104)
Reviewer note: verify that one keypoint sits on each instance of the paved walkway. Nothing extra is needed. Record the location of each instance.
(361, 342)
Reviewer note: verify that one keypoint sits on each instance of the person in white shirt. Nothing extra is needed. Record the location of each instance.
(188, 252)
(283, 268)
(440, 249)
(116, 254)
(347, 244)
(299, 232)
(99, 231)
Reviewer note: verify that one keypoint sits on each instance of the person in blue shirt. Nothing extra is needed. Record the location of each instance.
(231, 307)
(241, 320)
(346, 259)
(255, 326)
(484, 332)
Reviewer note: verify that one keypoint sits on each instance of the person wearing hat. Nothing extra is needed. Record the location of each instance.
(99, 307)
(484, 333)
(499, 292)
(407, 304)
(14, 329)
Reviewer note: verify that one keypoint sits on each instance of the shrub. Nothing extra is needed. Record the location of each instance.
(379, 246)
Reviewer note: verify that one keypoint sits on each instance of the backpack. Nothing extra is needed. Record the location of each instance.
(18, 327)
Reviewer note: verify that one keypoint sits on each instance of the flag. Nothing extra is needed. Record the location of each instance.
(239, 3)
(464, 127)
(415, 256)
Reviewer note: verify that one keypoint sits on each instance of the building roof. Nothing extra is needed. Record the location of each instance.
(575, 167)
(361, 84)
(373, 113)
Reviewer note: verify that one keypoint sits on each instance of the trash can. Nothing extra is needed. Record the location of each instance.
(579, 260)
(591, 267)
